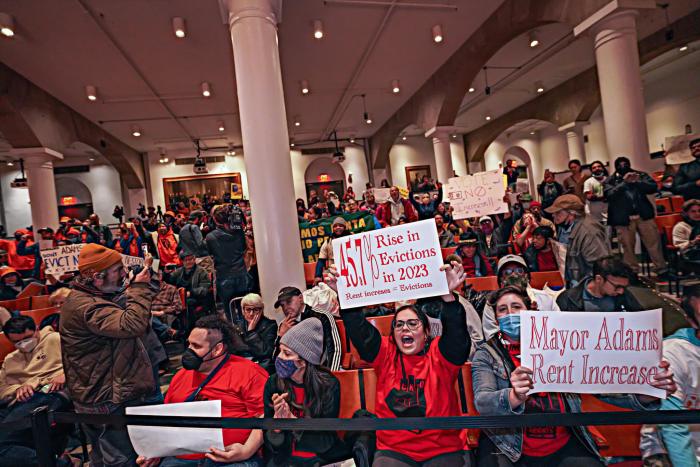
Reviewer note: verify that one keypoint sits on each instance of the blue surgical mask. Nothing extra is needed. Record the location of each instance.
(285, 368)
(510, 326)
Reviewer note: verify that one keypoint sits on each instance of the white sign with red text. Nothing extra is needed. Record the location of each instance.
(476, 195)
(592, 352)
(386, 265)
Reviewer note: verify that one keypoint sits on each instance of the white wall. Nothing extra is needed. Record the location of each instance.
(459, 158)
(354, 164)
(554, 152)
(15, 201)
(416, 150)
(105, 188)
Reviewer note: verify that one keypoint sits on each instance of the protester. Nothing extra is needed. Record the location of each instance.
(166, 244)
(686, 183)
(191, 240)
(33, 249)
(525, 226)
(427, 207)
(390, 212)
(605, 290)
(416, 376)
(631, 213)
(30, 377)
(686, 235)
(370, 204)
(501, 387)
(58, 297)
(11, 283)
(445, 237)
(593, 190)
(96, 232)
(511, 171)
(295, 311)
(197, 284)
(258, 333)
(549, 190)
(129, 241)
(351, 206)
(211, 371)
(302, 388)
(339, 229)
(22, 264)
(474, 262)
(106, 365)
(539, 255)
(573, 184)
(584, 237)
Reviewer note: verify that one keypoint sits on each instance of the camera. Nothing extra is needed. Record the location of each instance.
(232, 216)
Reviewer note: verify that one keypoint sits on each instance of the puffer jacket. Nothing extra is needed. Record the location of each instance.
(587, 244)
(104, 358)
(491, 369)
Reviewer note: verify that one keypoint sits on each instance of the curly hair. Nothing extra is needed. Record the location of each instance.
(223, 327)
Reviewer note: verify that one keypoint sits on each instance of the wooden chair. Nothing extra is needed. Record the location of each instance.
(481, 284)
(663, 206)
(448, 251)
(677, 203)
(182, 293)
(667, 220)
(382, 324)
(39, 301)
(309, 273)
(6, 347)
(39, 315)
(465, 393)
(350, 358)
(17, 304)
(612, 440)
(551, 278)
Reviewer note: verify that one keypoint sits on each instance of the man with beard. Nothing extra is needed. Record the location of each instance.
(394, 208)
(593, 190)
(106, 365)
(686, 183)
(325, 255)
(447, 239)
(631, 212)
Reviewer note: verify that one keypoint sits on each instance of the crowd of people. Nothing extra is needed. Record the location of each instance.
(105, 350)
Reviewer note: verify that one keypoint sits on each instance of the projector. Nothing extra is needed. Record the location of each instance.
(19, 182)
(200, 165)
(338, 157)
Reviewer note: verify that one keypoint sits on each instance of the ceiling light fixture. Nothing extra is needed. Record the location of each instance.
(221, 125)
(683, 48)
(395, 86)
(10, 163)
(472, 89)
(533, 39)
(7, 25)
(454, 136)
(206, 89)
(532, 132)
(488, 117)
(352, 140)
(179, 27)
(365, 115)
(92, 159)
(291, 143)
(318, 29)
(135, 131)
(297, 121)
(304, 87)
(539, 87)
(91, 93)
(437, 34)
(403, 138)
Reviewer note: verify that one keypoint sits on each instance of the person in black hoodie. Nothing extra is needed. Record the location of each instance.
(258, 333)
(631, 212)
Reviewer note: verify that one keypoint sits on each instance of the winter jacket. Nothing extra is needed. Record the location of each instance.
(384, 212)
(426, 211)
(104, 358)
(197, 281)
(491, 369)
(97, 233)
(259, 344)
(572, 300)
(684, 183)
(228, 249)
(549, 192)
(587, 244)
(626, 199)
(192, 241)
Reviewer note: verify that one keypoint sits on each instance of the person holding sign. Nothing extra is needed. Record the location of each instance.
(416, 375)
(502, 387)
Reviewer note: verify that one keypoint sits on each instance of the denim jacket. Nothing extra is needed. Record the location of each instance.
(491, 379)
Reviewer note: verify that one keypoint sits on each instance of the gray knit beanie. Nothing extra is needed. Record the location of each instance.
(306, 339)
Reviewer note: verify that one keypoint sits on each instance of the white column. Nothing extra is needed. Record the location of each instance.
(267, 160)
(574, 140)
(38, 168)
(617, 59)
(459, 158)
(443, 154)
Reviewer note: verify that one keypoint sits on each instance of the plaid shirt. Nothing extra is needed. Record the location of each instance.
(167, 300)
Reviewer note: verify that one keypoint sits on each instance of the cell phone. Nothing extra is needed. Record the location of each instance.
(144, 248)
(129, 225)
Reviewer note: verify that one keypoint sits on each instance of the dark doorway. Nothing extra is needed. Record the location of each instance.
(337, 186)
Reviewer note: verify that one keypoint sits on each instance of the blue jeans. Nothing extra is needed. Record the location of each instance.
(254, 461)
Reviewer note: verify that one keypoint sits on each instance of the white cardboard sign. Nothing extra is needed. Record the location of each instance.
(677, 150)
(476, 195)
(386, 265)
(592, 352)
(64, 259)
(381, 195)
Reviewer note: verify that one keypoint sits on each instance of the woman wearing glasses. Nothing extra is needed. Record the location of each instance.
(416, 376)
(257, 332)
(501, 387)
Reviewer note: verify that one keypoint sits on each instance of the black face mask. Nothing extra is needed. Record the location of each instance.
(192, 361)
(623, 169)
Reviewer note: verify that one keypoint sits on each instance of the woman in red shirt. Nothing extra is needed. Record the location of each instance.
(501, 387)
(416, 376)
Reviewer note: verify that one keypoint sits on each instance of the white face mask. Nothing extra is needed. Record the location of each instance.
(27, 345)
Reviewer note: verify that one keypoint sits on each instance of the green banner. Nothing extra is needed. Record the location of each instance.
(313, 234)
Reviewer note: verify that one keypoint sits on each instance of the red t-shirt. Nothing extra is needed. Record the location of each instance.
(299, 395)
(540, 441)
(546, 261)
(238, 385)
(469, 266)
(431, 380)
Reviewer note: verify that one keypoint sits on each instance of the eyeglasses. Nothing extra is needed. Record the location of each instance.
(252, 309)
(617, 287)
(514, 270)
(412, 324)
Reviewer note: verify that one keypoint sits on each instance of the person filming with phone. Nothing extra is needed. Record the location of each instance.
(105, 361)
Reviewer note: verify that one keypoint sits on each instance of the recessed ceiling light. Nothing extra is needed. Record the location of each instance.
(179, 27)
(454, 136)
(352, 139)
(368, 119)
(206, 89)
(291, 145)
(318, 29)
(488, 117)
(304, 87)
(10, 163)
(7, 25)
(533, 39)
(437, 34)
(92, 159)
(135, 131)
(395, 86)
(472, 89)
(91, 93)
(403, 138)
(221, 126)
(532, 132)
(539, 87)
(683, 48)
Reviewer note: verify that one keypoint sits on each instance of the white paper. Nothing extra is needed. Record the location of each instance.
(559, 250)
(163, 441)
(388, 265)
(592, 352)
(128, 261)
(62, 259)
(677, 150)
(476, 195)
(381, 195)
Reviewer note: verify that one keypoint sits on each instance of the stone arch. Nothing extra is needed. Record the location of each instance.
(523, 157)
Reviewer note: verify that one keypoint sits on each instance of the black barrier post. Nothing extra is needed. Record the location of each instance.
(41, 430)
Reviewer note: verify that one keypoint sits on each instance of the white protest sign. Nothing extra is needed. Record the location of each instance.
(592, 352)
(62, 259)
(559, 250)
(129, 261)
(476, 195)
(677, 150)
(386, 265)
(381, 195)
